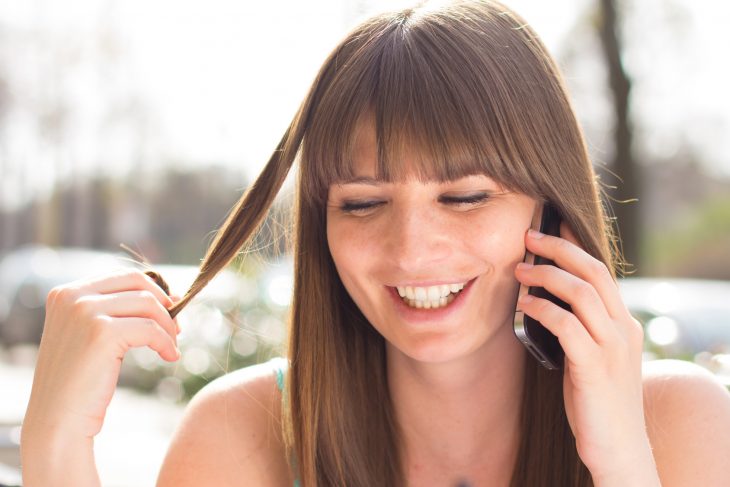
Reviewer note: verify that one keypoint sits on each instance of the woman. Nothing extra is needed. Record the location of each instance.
(427, 142)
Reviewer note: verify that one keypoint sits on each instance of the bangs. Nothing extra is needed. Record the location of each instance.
(442, 103)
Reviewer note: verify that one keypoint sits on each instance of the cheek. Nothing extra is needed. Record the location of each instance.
(499, 241)
(346, 244)
(350, 250)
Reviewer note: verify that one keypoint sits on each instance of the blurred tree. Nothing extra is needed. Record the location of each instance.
(172, 221)
(696, 244)
(186, 208)
(623, 163)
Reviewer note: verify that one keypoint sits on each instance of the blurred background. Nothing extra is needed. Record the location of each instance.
(142, 122)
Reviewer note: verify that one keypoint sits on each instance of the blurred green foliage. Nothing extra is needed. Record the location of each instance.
(695, 246)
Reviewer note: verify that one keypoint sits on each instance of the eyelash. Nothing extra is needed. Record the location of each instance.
(350, 207)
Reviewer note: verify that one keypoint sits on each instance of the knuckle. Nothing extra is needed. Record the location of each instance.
(583, 290)
(539, 305)
(137, 276)
(599, 269)
(51, 296)
(147, 296)
(99, 330)
(64, 294)
(565, 323)
(636, 330)
(562, 245)
(544, 309)
(83, 306)
(150, 323)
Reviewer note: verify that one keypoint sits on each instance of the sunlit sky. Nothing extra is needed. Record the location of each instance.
(218, 81)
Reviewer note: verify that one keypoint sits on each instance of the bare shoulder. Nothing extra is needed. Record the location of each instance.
(230, 431)
(687, 412)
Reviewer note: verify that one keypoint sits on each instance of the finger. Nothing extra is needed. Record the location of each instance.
(131, 304)
(141, 332)
(567, 234)
(577, 261)
(572, 335)
(128, 280)
(580, 295)
(176, 298)
(158, 279)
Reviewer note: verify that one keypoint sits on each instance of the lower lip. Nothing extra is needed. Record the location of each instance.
(422, 315)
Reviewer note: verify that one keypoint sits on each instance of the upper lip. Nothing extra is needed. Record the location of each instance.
(433, 283)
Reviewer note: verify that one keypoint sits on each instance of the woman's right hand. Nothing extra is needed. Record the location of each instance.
(90, 325)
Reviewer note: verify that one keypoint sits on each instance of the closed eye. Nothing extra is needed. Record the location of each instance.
(465, 200)
(357, 207)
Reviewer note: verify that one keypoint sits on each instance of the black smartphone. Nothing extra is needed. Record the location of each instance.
(541, 343)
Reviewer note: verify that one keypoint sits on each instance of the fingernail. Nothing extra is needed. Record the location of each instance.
(179, 354)
(535, 234)
(524, 265)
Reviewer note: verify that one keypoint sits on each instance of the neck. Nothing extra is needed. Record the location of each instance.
(460, 418)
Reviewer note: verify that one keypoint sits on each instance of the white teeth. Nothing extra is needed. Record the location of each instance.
(442, 302)
(433, 293)
(455, 288)
(431, 296)
(409, 293)
(430, 293)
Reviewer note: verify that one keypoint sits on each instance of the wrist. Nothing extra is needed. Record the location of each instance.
(51, 458)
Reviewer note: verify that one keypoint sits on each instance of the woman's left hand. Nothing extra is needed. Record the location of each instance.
(602, 382)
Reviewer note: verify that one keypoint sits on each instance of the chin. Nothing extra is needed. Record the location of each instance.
(445, 347)
(432, 350)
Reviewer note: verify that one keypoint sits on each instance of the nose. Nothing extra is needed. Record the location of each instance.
(419, 240)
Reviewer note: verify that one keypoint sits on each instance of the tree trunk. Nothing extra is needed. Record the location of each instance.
(623, 163)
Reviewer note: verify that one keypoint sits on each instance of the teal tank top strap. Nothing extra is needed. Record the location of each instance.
(281, 365)
(280, 379)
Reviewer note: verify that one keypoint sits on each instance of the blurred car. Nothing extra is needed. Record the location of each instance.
(234, 321)
(28, 274)
(687, 319)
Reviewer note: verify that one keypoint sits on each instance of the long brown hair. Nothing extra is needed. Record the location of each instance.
(471, 89)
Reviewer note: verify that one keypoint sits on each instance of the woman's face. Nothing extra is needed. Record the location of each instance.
(432, 238)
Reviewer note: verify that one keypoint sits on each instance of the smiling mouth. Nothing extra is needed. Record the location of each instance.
(432, 297)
